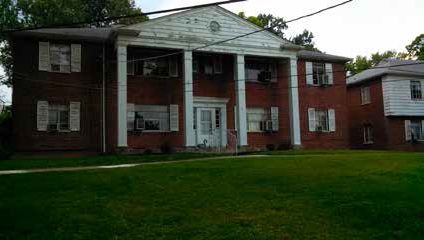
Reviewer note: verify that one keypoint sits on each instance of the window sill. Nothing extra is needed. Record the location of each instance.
(363, 104)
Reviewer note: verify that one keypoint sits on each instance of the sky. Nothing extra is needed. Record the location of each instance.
(361, 27)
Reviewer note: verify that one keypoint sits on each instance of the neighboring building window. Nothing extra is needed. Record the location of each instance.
(321, 118)
(367, 131)
(365, 95)
(60, 57)
(416, 90)
(416, 130)
(261, 70)
(318, 73)
(256, 118)
(58, 118)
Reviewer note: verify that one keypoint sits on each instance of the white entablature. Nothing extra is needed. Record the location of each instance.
(195, 28)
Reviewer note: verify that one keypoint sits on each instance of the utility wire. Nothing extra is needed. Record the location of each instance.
(242, 35)
(108, 19)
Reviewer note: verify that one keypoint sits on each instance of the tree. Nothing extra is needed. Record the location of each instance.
(416, 48)
(273, 24)
(305, 39)
(362, 62)
(25, 13)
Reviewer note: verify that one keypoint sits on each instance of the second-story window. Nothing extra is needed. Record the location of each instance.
(318, 73)
(60, 57)
(416, 90)
(155, 67)
(261, 70)
(365, 95)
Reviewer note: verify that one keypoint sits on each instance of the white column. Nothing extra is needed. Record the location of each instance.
(240, 87)
(122, 96)
(189, 138)
(294, 103)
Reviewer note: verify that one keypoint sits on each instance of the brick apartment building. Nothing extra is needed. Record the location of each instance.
(386, 106)
(139, 86)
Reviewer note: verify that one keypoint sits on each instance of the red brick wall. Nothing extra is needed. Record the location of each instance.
(332, 97)
(31, 85)
(267, 95)
(372, 113)
(156, 91)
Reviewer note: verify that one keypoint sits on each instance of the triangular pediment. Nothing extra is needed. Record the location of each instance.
(207, 25)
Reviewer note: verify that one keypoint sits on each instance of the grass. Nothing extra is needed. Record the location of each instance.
(54, 162)
(376, 195)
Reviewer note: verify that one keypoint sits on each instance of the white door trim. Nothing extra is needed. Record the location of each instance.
(213, 102)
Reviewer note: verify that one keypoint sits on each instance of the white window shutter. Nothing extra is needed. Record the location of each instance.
(43, 56)
(173, 67)
(130, 116)
(74, 116)
(42, 115)
(217, 65)
(173, 118)
(329, 71)
(274, 118)
(308, 71)
(311, 118)
(75, 57)
(408, 136)
(331, 120)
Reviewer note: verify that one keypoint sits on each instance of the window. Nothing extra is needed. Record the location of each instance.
(416, 90)
(150, 118)
(367, 131)
(60, 58)
(254, 67)
(365, 95)
(217, 118)
(321, 120)
(318, 73)
(255, 119)
(157, 67)
(416, 130)
(58, 118)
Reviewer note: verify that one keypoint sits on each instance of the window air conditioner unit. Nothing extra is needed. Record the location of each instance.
(319, 129)
(268, 126)
(264, 76)
(139, 124)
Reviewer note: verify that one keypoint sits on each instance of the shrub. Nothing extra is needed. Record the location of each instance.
(4, 153)
(270, 147)
(284, 147)
(166, 148)
(148, 151)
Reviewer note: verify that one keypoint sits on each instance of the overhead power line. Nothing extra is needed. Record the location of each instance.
(246, 34)
(108, 19)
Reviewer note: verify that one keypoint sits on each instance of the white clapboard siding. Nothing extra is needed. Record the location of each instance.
(43, 56)
(173, 118)
(311, 119)
(130, 116)
(42, 115)
(74, 116)
(331, 120)
(76, 57)
(397, 97)
(190, 29)
(309, 76)
(329, 71)
(274, 118)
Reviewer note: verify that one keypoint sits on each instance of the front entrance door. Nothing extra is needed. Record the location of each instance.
(208, 130)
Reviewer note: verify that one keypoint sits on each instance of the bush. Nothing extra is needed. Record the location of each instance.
(148, 151)
(5, 134)
(166, 148)
(270, 147)
(284, 147)
(4, 153)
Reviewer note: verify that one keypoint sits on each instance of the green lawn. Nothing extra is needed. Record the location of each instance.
(349, 195)
(52, 162)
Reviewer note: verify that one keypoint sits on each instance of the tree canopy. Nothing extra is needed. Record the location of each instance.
(416, 48)
(38, 13)
(277, 26)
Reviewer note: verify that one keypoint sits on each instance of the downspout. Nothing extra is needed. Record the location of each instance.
(103, 102)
